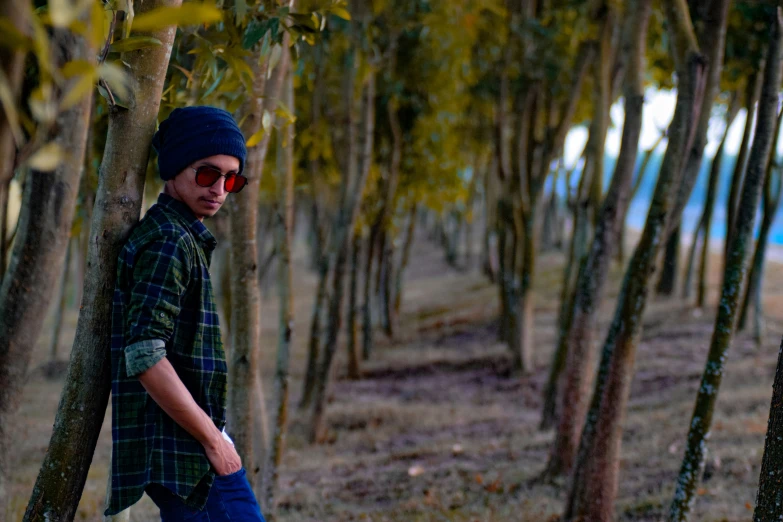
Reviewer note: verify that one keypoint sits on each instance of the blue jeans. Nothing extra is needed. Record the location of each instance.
(230, 500)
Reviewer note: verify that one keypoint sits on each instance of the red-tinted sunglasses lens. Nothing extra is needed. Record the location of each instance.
(235, 183)
(207, 176)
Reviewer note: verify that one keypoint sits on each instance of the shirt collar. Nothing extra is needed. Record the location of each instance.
(198, 229)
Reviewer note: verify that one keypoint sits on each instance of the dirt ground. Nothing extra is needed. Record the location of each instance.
(439, 430)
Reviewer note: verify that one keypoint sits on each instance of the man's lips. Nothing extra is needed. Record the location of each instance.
(212, 202)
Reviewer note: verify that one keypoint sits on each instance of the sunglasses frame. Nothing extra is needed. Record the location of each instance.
(225, 176)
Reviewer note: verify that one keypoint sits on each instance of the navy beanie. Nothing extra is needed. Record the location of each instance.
(193, 133)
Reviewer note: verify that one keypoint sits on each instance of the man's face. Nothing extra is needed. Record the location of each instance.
(203, 201)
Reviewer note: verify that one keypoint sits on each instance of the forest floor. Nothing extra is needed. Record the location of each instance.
(439, 429)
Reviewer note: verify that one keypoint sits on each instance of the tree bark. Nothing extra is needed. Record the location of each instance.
(59, 313)
(354, 370)
(705, 221)
(42, 238)
(671, 262)
(769, 206)
(284, 218)
(246, 405)
(594, 484)
(751, 97)
(769, 500)
(85, 394)
(399, 276)
(594, 269)
(733, 277)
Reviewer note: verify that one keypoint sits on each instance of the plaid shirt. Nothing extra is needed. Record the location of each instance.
(163, 307)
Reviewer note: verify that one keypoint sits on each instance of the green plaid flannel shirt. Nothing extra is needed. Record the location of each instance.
(163, 306)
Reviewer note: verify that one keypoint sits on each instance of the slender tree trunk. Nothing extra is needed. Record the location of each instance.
(367, 323)
(770, 203)
(4, 195)
(43, 233)
(705, 221)
(85, 394)
(354, 370)
(406, 254)
(751, 97)
(352, 188)
(246, 405)
(594, 485)
(734, 275)
(284, 218)
(769, 500)
(314, 343)
(637, 184)
(387, 290)
(709, 211)
(671, 262)
(61, 305)
(710, 18)
(594, 269)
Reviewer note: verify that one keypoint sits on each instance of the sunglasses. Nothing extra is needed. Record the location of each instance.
(207, 176)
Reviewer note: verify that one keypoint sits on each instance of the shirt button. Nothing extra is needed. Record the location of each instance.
(161, 314)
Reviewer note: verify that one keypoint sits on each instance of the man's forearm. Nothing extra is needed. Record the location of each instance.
(166, 388)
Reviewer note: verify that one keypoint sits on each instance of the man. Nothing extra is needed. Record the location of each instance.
(168, 363)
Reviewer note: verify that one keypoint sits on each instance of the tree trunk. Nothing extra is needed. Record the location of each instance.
(246, 405)
(637, 184)
(770, 203)
(734, 275)
(284, 218)
(61, 305)
(671, 262)
(593, 271)
(769, 500)
(399, 276)
(390, 324)
(118, 203)
(314, 343)
(705, 221)
(594, 485)
(42, 238)
(751, 97)
(710, 18)
(351, 191)
(354, 371)
(367, 324)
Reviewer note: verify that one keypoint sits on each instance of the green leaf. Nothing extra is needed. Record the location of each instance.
(134, 43)
(187, 14)
(47, 158)
(257, 30)
(256, 138)
(77, 68)
(341, 12)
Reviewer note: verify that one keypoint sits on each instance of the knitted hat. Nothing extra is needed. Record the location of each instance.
(193, 133)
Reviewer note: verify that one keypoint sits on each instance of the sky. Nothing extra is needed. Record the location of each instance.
(658, 111)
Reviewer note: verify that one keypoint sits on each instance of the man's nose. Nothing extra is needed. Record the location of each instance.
(219, 187)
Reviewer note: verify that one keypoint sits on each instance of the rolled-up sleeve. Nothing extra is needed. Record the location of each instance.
(143, 355)
(160, 280)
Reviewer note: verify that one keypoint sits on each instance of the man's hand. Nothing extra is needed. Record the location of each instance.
(165, 387)
(223, 457)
